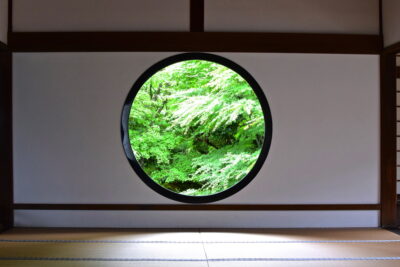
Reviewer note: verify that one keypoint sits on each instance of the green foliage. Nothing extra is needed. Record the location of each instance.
(196, 127)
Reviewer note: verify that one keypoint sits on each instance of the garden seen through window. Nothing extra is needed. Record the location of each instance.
(196, 127)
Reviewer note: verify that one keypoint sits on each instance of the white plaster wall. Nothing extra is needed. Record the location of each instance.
(391, 21)
(3, 20)
(101, 15)
(67, 146)
(306, 16)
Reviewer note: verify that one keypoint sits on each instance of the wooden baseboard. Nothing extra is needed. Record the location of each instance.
(183, 207)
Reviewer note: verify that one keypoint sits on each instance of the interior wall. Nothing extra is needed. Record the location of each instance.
(314, 16)
(305, 16)
(3, 20)
(325, 145)
(101, 15)
(391, 21)
(325, 108)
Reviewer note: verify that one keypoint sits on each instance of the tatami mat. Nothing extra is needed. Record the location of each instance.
(102, 264)
(101, 250)
(103, 234)
(299, 234)
(300, 247)
(307, 264)
(303, 250)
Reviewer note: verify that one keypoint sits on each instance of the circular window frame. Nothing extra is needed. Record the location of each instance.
(135, 164)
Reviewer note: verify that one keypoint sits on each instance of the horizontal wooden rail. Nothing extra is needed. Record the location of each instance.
(194, 41)
(232, 207)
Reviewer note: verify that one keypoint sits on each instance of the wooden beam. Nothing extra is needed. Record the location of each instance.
(194, 41)
(197, 15)
(10, 17)
(25, 206)
(381, 23)
(388, 140)
(6, 169)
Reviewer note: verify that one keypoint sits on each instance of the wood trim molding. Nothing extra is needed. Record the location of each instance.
(194, 42)
(25, 206)
(6, 170)
(388, 140)
(197, 15)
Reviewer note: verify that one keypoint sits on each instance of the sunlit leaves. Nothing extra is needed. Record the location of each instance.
(196, 127)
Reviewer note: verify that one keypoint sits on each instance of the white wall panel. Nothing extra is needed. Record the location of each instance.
(391, 21)
(67, 147)
(3, 20)
(307, 16)
(101, 15)
(196, 219)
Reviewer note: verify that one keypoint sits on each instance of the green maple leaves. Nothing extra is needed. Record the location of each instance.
(196, 127)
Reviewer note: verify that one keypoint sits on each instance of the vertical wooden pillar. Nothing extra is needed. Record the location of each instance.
(6, 168)
(388, 139)
(197, 15)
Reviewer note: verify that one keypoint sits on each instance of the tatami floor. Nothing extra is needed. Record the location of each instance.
(193, 248)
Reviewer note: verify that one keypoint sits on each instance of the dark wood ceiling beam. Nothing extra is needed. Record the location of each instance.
(193, 41)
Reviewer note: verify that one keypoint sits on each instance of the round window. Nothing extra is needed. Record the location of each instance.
(196, 127)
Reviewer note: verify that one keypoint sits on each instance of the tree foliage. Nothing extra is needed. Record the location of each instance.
(196, 127)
